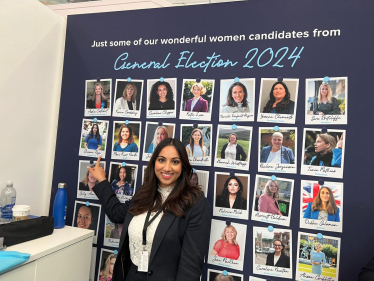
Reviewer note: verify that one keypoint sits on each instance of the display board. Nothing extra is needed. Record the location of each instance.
(282, 109)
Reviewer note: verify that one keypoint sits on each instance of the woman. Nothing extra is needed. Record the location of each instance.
(227, 247)
(120, 185)
(232, 150)
(268, 203)
(236, 99)
(197, 103)
(93, 139)
(277, 153)
(161, 97)
(323, 207)
(161, 133)
(115, 233)
(107, 272)
(317, 258)
(196, 146)
(194, 180)
(279, 101)
(176, 235)
(98, 99)
(327, 153)
(231, 196)
(88, 182)
(325, 104)
(125, 141)
(278, 258)
(221, 277)
(85, 216)
(128, 99)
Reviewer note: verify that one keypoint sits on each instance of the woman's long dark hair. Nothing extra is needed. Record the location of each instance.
(97, 136)
(130, 140)
(117, 173)
(224, 196)
(280, 105)
(154, 97)
(182, 197)
(230, 99)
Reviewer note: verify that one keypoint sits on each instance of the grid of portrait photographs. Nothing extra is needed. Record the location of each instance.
(318, 257)
(272, 200)
(272, 252)
(220, 154)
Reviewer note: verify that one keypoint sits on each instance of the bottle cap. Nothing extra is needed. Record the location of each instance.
(9, 183)
(62, 185)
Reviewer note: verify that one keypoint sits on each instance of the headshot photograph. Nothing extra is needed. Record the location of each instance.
(126, 140)
(227, 244)
(154, 134)
(197, 98)
(318, 257)
(86, 181)
(200, 178)
(97, 97)
(278, 98)
(326, 101)
(161, 100)
(198, 143)
(272, 249)
(128, 98)
(233, 147)
(122, 179)
(106, 265)
(277, 149)
(87, 217)
(323, 203)
(231, 195)
(237, 100)
(93, 138)
(323, 150)
(112, 232)
(215, 275)
(272, 200)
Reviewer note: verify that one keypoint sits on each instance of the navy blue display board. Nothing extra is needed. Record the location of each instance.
(325, 38)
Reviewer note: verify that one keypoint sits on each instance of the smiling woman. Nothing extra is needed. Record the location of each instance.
(236, 99)
(276, 152)
(125, 140)
(231, 196)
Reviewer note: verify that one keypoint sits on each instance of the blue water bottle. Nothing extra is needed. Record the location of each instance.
(59, 206)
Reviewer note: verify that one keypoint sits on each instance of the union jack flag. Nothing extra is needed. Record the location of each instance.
(310, 192)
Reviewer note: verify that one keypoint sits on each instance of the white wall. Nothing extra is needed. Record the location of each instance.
(31, 59)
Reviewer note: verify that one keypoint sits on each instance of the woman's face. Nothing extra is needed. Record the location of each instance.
(237, 94)
(324, 90)
(194, 180)
(318, 248)
(196, 136)
(320, 146)
(278, 246)
(97, 90)
(279, 92)
(122, 174)
(91, 179)
(324, 195)
(84, 218)
(111, 265)
(232, 139)
(125, 133)
(230, 234)
(94, 129)
(277, 142)
(162, 91)
(273, 187)
(196, 91)
(130, 91)
(233, 186)
(168, 166)
(161, 135)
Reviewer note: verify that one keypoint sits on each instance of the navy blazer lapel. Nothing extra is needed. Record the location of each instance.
(164, 225)
(125, 227)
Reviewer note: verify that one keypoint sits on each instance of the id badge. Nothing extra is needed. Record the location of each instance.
(143, 261)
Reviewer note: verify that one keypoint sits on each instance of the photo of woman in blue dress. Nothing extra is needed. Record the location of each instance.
(317, 259)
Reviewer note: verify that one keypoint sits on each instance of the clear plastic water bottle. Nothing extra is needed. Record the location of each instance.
(7, 201)
(59, 206)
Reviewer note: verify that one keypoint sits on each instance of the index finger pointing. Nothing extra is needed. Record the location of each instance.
(98, 162)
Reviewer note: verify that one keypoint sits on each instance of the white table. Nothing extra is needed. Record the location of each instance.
(64, 255)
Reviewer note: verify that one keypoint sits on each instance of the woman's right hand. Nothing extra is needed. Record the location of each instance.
(97, 172)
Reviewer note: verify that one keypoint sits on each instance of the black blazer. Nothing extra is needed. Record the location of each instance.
(367, 272)
(240, 153)
(178, 246)
(284, 261)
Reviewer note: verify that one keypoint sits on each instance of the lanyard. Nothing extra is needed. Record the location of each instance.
(147, 222)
